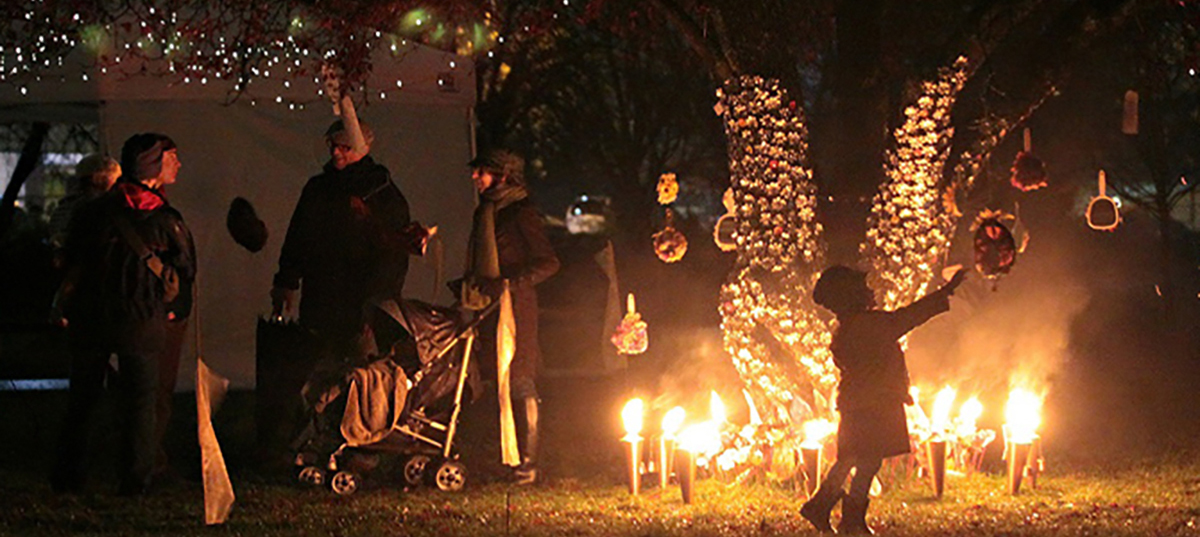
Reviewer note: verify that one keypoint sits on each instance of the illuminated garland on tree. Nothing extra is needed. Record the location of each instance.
(231, 41)
(771, 330)
(910, 226)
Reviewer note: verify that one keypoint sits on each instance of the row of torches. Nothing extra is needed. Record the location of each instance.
(938, 436)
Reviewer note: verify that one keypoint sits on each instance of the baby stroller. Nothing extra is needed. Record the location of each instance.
(427, 351)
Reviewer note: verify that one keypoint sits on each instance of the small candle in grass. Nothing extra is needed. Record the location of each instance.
(631, 416)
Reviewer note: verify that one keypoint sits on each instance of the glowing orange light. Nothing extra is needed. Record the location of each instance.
(943, 404)
(631, 416)
(1022, 416)
(815, 432)
(672, 421)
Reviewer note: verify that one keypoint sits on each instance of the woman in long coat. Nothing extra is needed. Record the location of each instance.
(873, 388)
(509, 243)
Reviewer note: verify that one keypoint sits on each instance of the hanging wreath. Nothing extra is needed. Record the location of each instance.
(1103, 213)
(995, 248)
(1028, 171)
(668, 189)
(669, 244)
(631, 336)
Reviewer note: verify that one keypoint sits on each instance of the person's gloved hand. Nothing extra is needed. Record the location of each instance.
(282, 301)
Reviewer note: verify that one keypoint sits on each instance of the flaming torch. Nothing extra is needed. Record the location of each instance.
(1022, 416)
(631, 415)
(671, 423)
(936, 447)
(815, 432)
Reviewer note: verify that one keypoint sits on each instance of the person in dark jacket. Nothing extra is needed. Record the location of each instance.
(508, 234)
(873, 388)
(118, 303)
(342, 244)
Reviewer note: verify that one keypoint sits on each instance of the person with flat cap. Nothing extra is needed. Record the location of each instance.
(508, 255)
(129, 257)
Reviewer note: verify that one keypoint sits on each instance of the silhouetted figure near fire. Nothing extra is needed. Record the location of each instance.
(872, 392)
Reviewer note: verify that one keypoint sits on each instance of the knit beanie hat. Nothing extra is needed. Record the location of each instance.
(142, 154)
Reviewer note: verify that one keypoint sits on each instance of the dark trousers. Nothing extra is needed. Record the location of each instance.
(137, 390)
(168, 371)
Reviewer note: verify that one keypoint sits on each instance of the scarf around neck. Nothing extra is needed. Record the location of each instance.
(484, 260)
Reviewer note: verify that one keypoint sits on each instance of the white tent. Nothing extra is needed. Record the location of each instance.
(264, 149)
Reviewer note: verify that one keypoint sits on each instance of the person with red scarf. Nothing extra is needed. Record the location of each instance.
(118, 303)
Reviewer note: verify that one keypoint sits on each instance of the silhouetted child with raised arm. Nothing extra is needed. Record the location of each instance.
(872, 392)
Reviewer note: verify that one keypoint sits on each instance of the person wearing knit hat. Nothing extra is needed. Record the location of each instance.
(124, 251)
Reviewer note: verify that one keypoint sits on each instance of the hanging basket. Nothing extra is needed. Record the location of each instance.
(995, 248)
(669, 244)
(1103, 213)
(632, 335)
(1028, 171)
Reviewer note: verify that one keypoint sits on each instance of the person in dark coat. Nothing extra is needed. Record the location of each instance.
(873, 388)
(342, 244)
(117, 303)
(518, 246)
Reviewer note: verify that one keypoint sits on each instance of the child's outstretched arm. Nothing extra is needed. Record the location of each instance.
(905, 319)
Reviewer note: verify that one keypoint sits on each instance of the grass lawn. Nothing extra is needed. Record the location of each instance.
(1161, 498)
(581, 495)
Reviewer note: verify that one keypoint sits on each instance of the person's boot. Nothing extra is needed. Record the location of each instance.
(816, 510)
(854, 517)
(526, 473)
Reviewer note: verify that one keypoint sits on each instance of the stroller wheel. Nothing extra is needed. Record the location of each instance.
(311, 475)
(451, 476)
(345, 483)
(414, 469)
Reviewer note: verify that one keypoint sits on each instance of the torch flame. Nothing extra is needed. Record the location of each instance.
(942, 405)
(672, 421)
(815, 432)
(1023, 415)
(631, 415)
(717, 409)
(967, 416)
(703, 438)
(755, 418)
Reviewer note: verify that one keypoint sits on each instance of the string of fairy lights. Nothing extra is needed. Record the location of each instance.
(910, 225)
(778, 247)
(245, 45)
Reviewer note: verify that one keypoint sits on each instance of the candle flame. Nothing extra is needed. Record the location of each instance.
(703, 438)
(631, 415)
(968, 415)
(672, 421)
(716, 408)
(942, 406)
(815, 432)
(1022, 415)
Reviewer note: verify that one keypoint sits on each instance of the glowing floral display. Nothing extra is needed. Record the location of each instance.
(770, 325)
(910, 226)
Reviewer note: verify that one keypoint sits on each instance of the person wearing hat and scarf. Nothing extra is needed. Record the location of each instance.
(342, 245)
(116, 302)
(509, 249)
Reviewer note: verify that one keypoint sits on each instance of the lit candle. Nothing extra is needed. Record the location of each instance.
(815, 432)
(631, 415)
(1022, 416)
(666, 447)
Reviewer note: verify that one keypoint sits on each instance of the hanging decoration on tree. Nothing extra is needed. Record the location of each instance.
(725, 230)
(668, 189)
(911, 217)
(632, 335)
(1028, 171)
(772, 331)
(669, 244)
(995, 247)
(1103, 213)
(1129, 116)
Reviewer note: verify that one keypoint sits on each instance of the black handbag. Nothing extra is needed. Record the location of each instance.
(284, 358)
